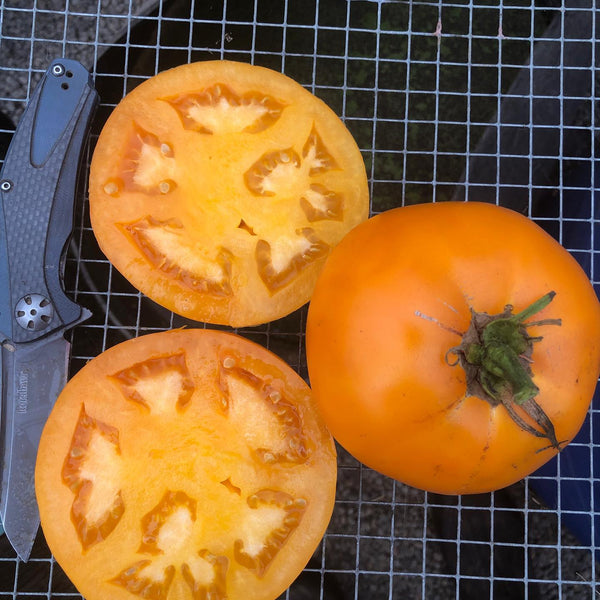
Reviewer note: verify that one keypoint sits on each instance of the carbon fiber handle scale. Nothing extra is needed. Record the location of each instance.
(37, 188)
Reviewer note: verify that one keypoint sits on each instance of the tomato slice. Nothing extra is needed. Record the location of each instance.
(219, 188)
(185, 464)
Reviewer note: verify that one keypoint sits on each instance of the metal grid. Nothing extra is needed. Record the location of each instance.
(456, 99)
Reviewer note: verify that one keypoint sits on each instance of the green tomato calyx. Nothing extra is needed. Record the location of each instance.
(496, 354)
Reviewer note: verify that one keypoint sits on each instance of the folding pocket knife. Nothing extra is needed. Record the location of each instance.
(38, 185)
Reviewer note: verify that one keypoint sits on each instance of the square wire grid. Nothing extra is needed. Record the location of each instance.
(447, 100)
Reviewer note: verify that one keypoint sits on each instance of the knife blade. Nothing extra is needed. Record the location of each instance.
(38, 184)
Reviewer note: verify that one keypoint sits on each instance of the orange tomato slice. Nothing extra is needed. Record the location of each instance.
(219, 188)
(185, 464)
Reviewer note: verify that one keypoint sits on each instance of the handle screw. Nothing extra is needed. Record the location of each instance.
(58, 70)
(6, 185)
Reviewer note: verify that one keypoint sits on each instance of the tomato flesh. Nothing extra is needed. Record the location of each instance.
(219, 188)
(185, 464)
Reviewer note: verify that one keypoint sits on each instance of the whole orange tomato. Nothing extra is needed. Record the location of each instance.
(454, 347)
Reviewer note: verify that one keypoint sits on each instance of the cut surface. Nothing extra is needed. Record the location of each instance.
(183, 465)
(219, 188)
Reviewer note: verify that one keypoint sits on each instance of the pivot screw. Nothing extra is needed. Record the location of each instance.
(34, 312)
(58, 70)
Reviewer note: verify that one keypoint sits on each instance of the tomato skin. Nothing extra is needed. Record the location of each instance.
(169, 421)
(391, 302)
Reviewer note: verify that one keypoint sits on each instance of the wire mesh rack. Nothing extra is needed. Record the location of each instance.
(476, 100)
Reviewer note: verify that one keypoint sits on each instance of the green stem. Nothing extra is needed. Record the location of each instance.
(504, 364)
(503, 342)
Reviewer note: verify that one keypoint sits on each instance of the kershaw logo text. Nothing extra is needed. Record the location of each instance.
(22, 392)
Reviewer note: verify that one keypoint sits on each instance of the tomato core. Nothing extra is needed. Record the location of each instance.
(495, 353)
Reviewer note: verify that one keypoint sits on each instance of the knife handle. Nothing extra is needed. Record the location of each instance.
(38, 183)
